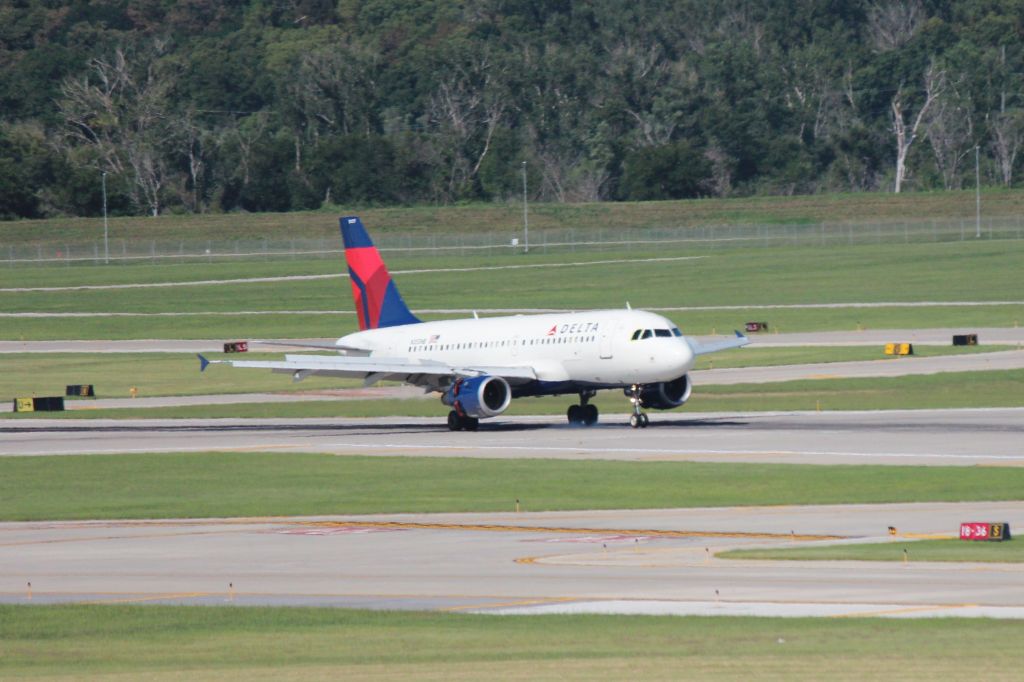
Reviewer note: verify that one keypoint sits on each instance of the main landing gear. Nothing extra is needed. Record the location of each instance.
(583, 414)
(638, 420)
(461, 422)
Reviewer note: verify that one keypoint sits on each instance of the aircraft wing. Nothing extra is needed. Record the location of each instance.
(373, 369)
(704, 348)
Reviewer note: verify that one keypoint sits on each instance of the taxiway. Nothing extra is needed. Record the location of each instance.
(652, 561)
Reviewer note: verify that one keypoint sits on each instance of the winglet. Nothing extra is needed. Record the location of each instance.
(203, 362)
(739, 335)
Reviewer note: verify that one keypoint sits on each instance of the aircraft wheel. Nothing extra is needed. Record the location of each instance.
(573, 415)
(589, 414)
(470, 423)
(644, 421)
(454, 421)
(634, 421)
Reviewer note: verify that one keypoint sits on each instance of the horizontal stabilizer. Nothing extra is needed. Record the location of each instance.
(714, 346)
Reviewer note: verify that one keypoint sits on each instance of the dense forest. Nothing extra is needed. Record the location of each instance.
(277, 105)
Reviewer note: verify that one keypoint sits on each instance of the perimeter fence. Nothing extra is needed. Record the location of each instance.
(651, 239)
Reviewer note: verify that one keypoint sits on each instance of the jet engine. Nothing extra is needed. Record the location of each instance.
(479, 397)
(667, 394)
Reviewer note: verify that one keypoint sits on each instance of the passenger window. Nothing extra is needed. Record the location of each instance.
(662, 332)
(647, 334)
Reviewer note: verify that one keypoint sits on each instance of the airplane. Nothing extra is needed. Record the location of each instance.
(479, 365)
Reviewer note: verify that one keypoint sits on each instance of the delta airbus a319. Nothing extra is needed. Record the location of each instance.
(479, 365)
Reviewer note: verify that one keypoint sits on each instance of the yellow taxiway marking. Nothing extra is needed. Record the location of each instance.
(153, 597)
(507, 604)
(101, 538)
(500, 528)
(905, 609)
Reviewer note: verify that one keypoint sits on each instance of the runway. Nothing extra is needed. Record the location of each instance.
(897, 437)
(658, 561)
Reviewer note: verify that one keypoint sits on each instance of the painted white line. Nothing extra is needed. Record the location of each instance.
(286, 278)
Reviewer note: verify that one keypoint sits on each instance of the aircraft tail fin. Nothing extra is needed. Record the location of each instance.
(378, 303)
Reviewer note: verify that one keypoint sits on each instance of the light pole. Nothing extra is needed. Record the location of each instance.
(106, 230)
(526, 222)
(977, 195)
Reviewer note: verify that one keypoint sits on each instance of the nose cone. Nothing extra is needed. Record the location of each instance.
(683, 356)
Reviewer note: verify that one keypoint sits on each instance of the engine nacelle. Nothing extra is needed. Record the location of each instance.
(667, 394)
(479, 397)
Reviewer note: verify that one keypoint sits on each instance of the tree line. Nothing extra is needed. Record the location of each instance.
(277, 105)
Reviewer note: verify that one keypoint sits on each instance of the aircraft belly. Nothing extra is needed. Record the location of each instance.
(552, 371)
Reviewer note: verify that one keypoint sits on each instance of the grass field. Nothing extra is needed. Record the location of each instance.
(984, 271)
(202, 485)
(921, 550)
(176, 643)
(169, 374)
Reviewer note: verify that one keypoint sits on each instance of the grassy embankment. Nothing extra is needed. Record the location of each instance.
(861, 207)
(203, 485)
(177, 643)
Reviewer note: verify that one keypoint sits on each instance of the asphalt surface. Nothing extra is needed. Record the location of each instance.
(660, 561)
(901, 437)
(642, 562)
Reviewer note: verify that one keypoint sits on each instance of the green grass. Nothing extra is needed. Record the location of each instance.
(1011, 551)
(153, 374)
(202, 485)
(934, 391)
(222, 327)
(984, 271)
(161, 643)
(931, 391)
(871, 273)
(174, 374)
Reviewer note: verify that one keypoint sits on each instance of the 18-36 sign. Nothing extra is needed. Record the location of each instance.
(993, 532)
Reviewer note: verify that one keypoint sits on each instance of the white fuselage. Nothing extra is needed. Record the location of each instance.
(599, 347)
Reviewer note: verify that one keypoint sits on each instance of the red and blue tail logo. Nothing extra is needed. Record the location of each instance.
(378, 302)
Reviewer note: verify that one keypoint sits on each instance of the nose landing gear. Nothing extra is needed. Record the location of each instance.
(638, 420)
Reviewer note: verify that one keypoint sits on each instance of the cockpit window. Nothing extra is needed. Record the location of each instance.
(647, 334)
(676, 332)
(662, 332)
(636, 334)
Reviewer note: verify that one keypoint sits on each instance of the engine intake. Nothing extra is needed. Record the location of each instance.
(480, 397)
(667, 394)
